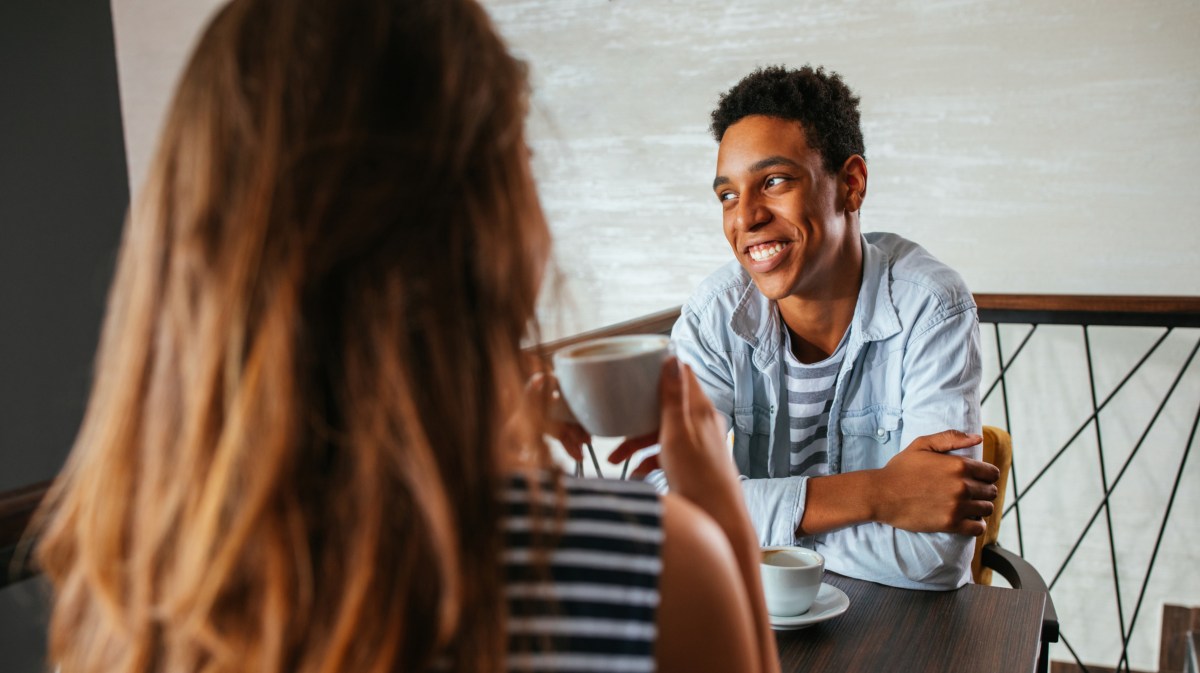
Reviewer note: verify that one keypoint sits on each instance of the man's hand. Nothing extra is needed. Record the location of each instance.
(632, 445)
(923, 490)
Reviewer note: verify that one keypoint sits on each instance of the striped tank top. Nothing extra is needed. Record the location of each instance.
(588, 602)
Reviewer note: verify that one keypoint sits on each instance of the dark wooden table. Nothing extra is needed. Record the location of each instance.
(976, 629)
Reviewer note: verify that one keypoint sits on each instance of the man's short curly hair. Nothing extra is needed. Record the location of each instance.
(825, 107)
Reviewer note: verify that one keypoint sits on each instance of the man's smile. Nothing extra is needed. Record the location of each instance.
(761, 252)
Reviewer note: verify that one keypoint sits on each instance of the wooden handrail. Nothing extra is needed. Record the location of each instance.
(1075, 303)
(1177, 311)
(654, 323)
(1062, 309)
(17, 506)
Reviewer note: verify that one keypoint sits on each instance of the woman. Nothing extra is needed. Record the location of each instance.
(308, 447)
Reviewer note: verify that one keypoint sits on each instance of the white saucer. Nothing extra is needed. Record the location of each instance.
(830, 602)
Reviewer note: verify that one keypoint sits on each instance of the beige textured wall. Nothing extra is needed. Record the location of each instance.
(1036, 147)
(154, 38)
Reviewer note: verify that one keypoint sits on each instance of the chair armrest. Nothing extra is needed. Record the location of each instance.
(1021, 575)
(17, 508)
(13, 570)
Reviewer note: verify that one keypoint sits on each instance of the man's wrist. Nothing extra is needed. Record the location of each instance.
(840, 501)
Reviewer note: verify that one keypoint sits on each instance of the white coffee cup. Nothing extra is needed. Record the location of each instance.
(611, 384)
(791, 578)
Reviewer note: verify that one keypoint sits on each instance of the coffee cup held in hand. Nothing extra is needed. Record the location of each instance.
(611, 384)
(791, 577)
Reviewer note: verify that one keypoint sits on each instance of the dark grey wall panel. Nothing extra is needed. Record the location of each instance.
(63, 194)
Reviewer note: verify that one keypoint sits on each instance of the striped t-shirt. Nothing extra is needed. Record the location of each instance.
(810, 395)
(593, 607)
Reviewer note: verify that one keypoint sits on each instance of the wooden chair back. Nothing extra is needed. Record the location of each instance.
(997, 450)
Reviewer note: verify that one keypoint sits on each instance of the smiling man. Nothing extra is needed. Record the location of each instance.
(847, 364)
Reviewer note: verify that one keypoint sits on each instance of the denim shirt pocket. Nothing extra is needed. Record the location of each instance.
(870, 437)
(751, 440)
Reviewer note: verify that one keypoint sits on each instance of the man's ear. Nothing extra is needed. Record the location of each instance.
(853, 181)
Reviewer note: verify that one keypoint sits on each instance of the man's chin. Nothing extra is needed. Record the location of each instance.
(777, 281)
(771, 288)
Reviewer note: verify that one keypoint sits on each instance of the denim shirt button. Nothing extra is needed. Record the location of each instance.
(880, 432)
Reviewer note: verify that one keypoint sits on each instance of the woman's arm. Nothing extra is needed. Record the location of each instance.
(705, 620)
(697, 463)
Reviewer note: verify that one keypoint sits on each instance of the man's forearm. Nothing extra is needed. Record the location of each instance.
(846, 511)
(921, 489)
(838, 501)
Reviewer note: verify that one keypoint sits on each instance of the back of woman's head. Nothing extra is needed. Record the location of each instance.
(291, 452)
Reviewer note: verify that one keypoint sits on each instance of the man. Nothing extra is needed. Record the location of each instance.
(848, 365)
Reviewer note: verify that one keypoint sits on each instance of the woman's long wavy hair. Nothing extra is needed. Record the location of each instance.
(311, 363)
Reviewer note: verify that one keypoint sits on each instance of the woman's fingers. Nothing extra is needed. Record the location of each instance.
(561, 423)
(671, 394)
(700, 411)
(572, 437)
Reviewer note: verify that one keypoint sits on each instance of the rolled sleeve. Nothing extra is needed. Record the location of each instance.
(899, 558)
(942, 371)
(775, 507)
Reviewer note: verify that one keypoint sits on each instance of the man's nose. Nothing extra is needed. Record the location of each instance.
(751, 213)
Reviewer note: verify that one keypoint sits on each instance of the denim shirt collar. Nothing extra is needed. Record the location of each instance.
(875, 314)
(756, 319)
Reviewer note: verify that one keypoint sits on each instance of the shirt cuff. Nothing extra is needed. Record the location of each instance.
(657, 479)
(776, 507)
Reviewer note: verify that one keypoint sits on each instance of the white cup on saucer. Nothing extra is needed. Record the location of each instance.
(791, 578)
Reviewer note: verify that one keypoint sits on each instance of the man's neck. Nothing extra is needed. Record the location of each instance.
(817, 321)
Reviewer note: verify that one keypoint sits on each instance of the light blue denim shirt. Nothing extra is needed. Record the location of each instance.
(911, 368)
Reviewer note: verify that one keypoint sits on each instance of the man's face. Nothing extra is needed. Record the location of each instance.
(784, 214)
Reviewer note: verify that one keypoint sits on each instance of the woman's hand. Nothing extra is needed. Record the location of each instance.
(560, 422)
(694, 453)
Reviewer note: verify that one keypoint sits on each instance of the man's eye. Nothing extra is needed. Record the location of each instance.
(726, 196)
(775, 180)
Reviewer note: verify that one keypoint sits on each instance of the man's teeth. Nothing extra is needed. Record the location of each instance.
(763, 252)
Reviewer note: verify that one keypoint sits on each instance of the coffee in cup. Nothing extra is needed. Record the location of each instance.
(791, 578)
(611, 384)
